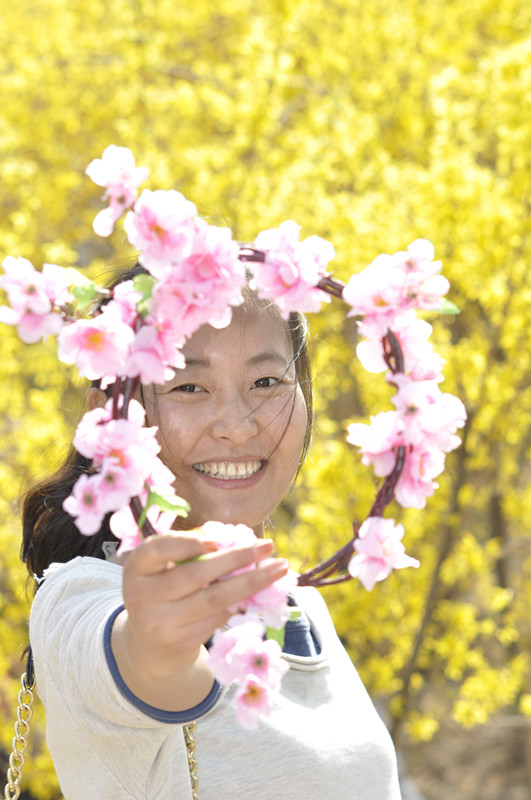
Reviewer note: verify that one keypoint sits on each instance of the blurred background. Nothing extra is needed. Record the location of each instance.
(371, 124)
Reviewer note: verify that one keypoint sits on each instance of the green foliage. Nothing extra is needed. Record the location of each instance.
(370, 124)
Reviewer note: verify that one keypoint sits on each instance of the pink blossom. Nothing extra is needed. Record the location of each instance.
(371, 292)
(151, 352)
(124, 526)
(85, 504)
(98, 347)
(271, 603)
(89, 432)
(117, 172)
(31, 328)
(412, 334)
(292, 269)
(430, 417)
(246, 628)
(261, 658)
(32, 296)
(123, 443)
(379, 550)
(124, 303)
(162, 228)
(203, 287)
(442, 419)
(228, 535)
(392, 283)
(24, 286)
(416, 481)
(378, 440)
(412, 401)
(253, 699)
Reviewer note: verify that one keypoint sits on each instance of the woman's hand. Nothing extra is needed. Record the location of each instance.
(174, 601)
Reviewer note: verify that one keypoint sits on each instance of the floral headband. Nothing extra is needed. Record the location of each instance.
(194, 276)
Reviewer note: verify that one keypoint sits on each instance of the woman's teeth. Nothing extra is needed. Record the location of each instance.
(228, 471)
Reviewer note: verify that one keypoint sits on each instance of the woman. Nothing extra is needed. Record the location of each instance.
(120, 645)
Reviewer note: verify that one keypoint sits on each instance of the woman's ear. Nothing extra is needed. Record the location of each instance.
(96, 399)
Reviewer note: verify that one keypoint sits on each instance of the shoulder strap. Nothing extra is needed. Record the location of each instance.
(17, 759)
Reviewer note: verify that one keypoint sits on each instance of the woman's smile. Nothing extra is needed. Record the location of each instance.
(230, 470)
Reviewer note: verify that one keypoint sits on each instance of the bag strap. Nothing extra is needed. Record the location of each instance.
(17, 759)
(188, 731)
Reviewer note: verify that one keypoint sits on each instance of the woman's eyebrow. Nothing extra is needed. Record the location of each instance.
(267, 355)
(259, 358)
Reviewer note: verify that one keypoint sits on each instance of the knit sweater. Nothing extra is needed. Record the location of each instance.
(324, 738)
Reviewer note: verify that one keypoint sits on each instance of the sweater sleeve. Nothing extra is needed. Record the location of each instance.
(78, 680)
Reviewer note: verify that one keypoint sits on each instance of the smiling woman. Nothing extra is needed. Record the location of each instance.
(121, 644)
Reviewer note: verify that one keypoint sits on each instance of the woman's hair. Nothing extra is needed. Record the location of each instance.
(49, 532)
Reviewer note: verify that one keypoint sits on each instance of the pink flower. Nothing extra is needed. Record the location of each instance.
(122, 443)
(162, 227)
(203, 287)
(263, 659)
(24, 286)
(416, 481)
(292, 269)
(151, 352)
(124, 302)
(85, 504)
(124, 526)
(32, 296)
(227, 535)
(412, 400)
(31, 328)
(271, 603)
(253, 700)
(98, 347)
(441, 421)
(430, 417)
(392, 283)
(371, 291)
(378, 440)
(117, 172)
(379, 550)
(246, 628)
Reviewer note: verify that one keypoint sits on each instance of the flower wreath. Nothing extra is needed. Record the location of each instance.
(194, 275)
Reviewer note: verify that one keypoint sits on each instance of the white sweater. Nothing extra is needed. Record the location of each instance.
(324, 740)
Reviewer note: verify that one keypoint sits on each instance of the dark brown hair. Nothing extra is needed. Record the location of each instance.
(49, 532)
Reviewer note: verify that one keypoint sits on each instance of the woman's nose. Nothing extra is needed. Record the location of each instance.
(234, 421)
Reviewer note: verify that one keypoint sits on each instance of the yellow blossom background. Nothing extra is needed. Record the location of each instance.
(370, 124)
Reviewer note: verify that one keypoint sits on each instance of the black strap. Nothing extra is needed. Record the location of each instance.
(30, 671)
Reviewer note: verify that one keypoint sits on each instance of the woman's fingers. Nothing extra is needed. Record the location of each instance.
(151, 557)
(186, 578)
(195, 617)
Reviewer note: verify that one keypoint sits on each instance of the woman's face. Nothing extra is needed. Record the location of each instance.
(232, 422)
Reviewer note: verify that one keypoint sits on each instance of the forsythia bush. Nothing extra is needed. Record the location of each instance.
(370, 124)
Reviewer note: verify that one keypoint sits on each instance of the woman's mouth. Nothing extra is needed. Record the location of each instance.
(229, 470)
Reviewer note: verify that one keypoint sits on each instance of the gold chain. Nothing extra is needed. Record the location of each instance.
(17, 759)
(188, 731)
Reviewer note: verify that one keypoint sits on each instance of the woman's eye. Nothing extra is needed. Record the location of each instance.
(266, 383)
(189, 388)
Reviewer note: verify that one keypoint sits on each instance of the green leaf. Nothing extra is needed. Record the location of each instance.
(169, 502)
(85, 294)
(277, 634)
(447, 307)
(143, 284)
(166, 502)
